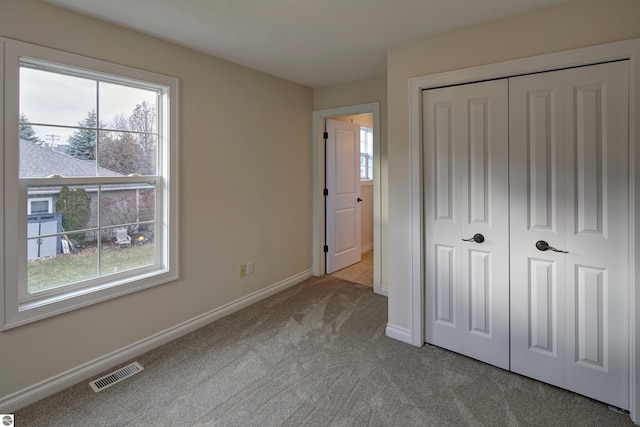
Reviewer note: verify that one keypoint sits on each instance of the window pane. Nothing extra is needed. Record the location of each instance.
(126, 153)
(38, 206)
(128, 108)
(40, 160)
(123, 250)
(48, 156)
(75, 205)
(127, 204)
(70, 263)
(56, 99)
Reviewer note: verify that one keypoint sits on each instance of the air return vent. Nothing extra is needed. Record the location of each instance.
(115, 377)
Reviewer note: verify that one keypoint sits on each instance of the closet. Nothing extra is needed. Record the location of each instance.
(526, 219)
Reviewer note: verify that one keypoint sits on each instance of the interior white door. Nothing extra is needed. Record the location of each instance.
(343, 230)
(466, 197)
(569, 187)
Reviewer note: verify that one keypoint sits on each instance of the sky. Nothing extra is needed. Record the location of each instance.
(56, 99)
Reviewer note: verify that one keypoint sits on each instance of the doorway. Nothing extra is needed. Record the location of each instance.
(319, 214)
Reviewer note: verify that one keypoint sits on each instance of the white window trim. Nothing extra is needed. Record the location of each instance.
(13, 196)
(39, 199)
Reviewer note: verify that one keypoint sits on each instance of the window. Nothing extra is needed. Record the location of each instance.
(94, 145)
(366, 153)
(39, 206)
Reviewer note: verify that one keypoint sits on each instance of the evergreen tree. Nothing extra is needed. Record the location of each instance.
(27, 133)
(82, 144)
(75, 207)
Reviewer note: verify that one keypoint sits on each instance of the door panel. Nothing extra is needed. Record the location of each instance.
(466, 193)
(537, 205)
(479, 293)
(343, 230)
(542, 137)
(571, 157)
(542, 331)
(445, 289)
(597, 274)
(443, 166)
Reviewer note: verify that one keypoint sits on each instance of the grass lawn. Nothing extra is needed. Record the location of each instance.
(50, 272)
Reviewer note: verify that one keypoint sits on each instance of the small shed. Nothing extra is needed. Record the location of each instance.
(43, 225)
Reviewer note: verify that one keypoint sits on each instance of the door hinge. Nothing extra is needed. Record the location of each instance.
(325, 135)
(326, 248)
(325, 192)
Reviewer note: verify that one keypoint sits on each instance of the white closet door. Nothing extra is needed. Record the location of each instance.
(466, 193)
(537, 179)
(569, 187)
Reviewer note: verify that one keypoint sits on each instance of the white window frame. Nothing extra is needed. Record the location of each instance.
(15, 309)
(49, 201)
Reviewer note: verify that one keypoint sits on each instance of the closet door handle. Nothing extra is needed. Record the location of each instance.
(541, 245)
(478, 238)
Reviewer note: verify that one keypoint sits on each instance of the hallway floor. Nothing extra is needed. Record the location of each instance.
(361, 273)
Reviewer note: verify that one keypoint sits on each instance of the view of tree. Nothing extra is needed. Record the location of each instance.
(143, 119)
(27, 133)
(82, 144)
(75, 206)
(125, 207)
(119, 151)
(132, 148)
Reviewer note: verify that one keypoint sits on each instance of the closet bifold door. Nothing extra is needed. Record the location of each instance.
(466, 208)
(569, 229)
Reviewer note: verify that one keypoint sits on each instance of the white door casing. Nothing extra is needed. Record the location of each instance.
(466, 183)
(343, 230)
(569, 148)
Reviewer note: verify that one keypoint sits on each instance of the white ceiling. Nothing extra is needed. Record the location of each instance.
(312, 42)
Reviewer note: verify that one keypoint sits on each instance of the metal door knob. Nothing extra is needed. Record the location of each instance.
(541, 245)
(359, 199)
(478, 238)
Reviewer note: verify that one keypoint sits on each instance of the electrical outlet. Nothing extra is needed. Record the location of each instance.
(250, 267)
(243, 270)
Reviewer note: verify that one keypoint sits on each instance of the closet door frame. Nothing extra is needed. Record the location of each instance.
(626, 50)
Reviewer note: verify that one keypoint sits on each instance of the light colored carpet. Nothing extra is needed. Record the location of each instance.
(314, 355)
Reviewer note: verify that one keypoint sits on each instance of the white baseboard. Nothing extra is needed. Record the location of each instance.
(398, 333)
(384, 291)
(31, 394)
(366, 248)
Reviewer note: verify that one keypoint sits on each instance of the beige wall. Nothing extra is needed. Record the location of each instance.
(366, 224)
(574, 24)
(245, 193)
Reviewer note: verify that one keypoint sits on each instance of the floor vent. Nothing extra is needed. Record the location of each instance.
(115, 377)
